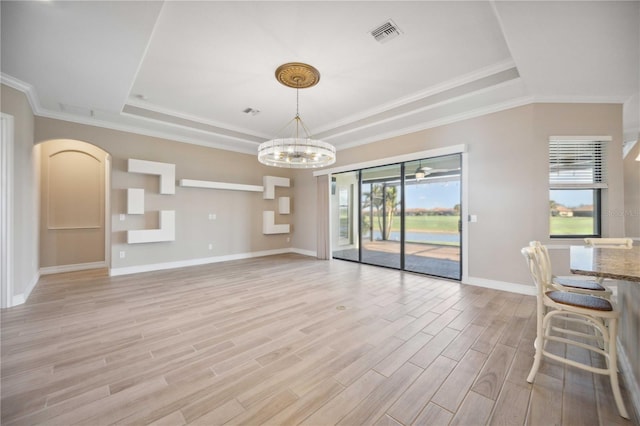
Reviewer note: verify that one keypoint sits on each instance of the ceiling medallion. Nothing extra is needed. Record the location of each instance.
(297, 75)
(299, 149)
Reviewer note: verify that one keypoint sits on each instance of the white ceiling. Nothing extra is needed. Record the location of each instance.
(187, 70)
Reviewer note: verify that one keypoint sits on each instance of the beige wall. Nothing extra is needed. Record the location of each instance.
(72, 200)
(508, 179)
(631, 211)
(629, 293)
(507, 174)
(237, 229)
(25, 191)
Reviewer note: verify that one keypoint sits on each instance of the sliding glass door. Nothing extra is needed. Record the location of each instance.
(345, 241)
(432, 216)
(380, 204)
(404, 216)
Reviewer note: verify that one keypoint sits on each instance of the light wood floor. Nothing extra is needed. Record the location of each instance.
(283, 340)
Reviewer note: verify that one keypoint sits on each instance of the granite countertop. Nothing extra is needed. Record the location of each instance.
(616, 263)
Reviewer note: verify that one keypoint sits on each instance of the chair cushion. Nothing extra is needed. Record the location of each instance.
(578, 283)
(580, 300)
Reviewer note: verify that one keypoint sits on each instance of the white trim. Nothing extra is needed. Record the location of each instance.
(581, 138)
(26, 88)
(434, 90)
(72, 268)
(627, 146)
(6, 210)
(230, 143)
(192, 262)
(501, 285)
(394, 115)
(188, 117)
(107, 209)
(561, 99)
(304, 252)
(464, 216)
(633, 387)
(449, 119)
(436, 152)
(19, 299)
(578, 186)
(192, 183)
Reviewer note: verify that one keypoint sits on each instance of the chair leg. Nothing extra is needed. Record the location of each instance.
(613, 368)
(538, 344)
(537, 359)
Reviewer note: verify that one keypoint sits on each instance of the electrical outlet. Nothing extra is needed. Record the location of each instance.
(122, 217)
(212, 216)
(210, 246)
(122, 255)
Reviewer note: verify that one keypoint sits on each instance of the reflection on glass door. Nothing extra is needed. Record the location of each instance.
(432, 216)
(344, 233)
(381, 200)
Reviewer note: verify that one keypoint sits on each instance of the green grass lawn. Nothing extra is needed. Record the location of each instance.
(558, 225)
(571, 225)
(428, 223)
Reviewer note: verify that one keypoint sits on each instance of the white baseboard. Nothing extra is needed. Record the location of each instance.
(630, 381)
(501, 285)
(71, 268)
(19, 299)
(192, 262)
(304, 252)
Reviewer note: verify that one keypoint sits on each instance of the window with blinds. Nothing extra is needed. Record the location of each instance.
(577, 174)
(577, 164)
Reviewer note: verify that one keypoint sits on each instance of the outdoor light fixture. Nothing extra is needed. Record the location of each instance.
(420, 172)
(297, 150)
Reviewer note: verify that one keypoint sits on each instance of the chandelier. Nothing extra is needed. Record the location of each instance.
(299, 149)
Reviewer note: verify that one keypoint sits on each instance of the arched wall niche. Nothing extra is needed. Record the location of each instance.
(74, 202)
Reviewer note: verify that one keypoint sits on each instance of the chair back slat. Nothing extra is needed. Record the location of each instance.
(531, 256)
(609, 242)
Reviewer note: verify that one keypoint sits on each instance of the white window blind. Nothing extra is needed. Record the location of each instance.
(577, 164)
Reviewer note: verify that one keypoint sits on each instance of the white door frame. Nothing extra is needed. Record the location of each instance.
(6, 213)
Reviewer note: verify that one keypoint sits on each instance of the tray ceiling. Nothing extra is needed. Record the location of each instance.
(188, 70)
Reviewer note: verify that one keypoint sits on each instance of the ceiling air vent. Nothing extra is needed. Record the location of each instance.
(251, 111)
(385, 32)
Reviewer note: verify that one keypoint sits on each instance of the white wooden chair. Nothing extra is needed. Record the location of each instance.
(575, 284)
(596, 313)
(609, 242)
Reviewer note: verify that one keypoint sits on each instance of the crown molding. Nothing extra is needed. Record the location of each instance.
(38, 110)
(26, 88)
(433, 90)
(144, 125)
(441, 121)
(425, 108)
(563, 99)
(188, 117)
(161, 134)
